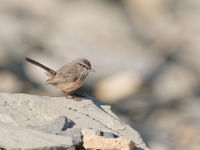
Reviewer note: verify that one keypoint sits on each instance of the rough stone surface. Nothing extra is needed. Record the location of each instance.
(109, 135)
(92, 141)
(76, 135)
(59, 124)
(22, 138)
(24, 115)
(63, 126)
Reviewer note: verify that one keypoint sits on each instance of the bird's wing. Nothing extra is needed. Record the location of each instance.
(66, 74)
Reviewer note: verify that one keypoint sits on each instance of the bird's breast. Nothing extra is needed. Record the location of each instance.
(69, 87)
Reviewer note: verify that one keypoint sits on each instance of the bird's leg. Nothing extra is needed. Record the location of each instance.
(78, 94)
(67, 94)
(71, 96)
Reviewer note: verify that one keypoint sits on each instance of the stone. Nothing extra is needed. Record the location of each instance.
(10, 82)
(105, 134)
(24, 138)
(118, 86)
(26, 114)
(76, 135)
(59, 124)
(146, 9)
(175, 82)
(109, 135)
(92, 141)
(62, 126)
(90, 132)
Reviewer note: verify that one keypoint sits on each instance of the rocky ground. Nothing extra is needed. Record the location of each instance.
(36, 122)
(145, 53)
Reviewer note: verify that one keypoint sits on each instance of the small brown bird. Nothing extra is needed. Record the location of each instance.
(69, 77)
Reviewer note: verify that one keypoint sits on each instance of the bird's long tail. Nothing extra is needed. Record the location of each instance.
(50, 71)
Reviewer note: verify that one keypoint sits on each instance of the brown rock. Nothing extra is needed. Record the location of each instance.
(93, 141)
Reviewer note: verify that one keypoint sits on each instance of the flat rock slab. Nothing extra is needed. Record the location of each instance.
(28, 113)
(21, 138)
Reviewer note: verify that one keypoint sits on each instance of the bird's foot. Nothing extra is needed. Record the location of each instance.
(72, 96)
(78, 95)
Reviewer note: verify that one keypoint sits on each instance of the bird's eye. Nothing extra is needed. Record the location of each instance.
(82, 65)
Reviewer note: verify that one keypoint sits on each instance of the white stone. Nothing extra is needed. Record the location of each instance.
(28, 112)
(23, 138)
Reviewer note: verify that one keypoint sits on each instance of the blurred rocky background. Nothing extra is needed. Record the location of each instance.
(146, 54)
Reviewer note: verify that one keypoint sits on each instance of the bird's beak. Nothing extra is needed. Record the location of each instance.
(92, 70)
